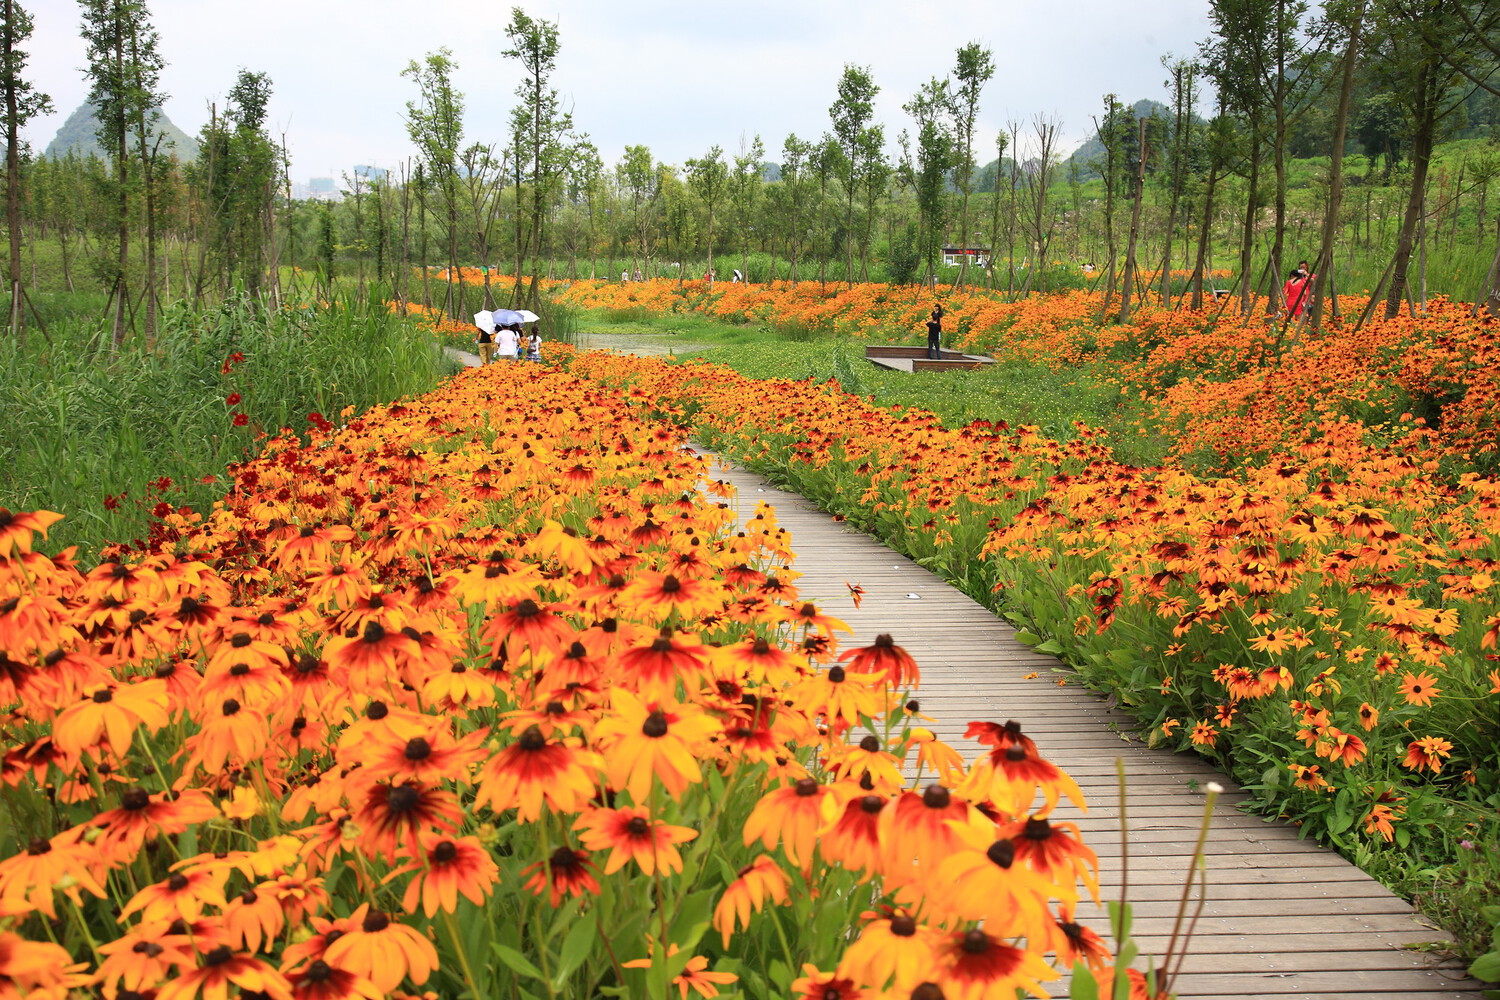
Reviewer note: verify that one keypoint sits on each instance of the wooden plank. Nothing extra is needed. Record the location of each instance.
(1284, 917)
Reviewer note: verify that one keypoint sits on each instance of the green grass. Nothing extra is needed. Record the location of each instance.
(87, 424)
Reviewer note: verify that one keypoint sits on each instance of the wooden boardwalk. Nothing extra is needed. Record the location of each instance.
(1285, 918)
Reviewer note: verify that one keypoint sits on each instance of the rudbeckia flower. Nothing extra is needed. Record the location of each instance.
(653, 671)
(63, 864)
(758, 882)
(887, 659)
(535, 769)
(16, 529)
(110, 713)
(321, 981)
(566, 872)
(383, 951)
(222, 968)
(975, 966)
(893, 951)
(393, 814)
(181, 896)
(1011, 779)
(853, 838)
(630, 833)
(447, 867)
(652, 741)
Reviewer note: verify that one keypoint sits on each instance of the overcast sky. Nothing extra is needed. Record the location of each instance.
(677, 77)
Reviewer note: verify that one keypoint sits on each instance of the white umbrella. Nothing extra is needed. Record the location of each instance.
(506, 317)
(485, 321)
(527, 316)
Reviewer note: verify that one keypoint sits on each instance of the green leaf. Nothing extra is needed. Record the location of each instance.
(1486, 967)
(1028, 638)
(1083, 985)
(516, 962)
(576, 947)
(1050, 646)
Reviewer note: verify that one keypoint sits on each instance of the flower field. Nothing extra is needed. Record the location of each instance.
(479, 695)
(1325, 624)
(1226, 387)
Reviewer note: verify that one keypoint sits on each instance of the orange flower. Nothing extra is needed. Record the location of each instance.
(757, 882)
(447, 867)
(566, 872)
(383, 951)
(1419, 689)
(792, 816)
(1427, 753)
(893, 950)
(630, 833)
(646, 741)
(534, 770)
(110, 714)
(221, 969)
(975, 966)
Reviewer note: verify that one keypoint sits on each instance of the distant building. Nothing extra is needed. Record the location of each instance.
(369, 173)
(317, 189)
(978, 256)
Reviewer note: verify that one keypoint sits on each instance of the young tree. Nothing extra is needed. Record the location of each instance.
(538, 120)
(931, 108)
(974, 68)
(796, 156)
(22, 103)
(123, 67)
(707, 177)
(641, 179)
(745, 191)
(851, 114)
(435, 122)
(238, 167)
(1352, 18)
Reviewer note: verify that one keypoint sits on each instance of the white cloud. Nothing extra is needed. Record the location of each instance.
(676, 77)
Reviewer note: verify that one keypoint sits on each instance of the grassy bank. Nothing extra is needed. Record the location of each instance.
(105, 436)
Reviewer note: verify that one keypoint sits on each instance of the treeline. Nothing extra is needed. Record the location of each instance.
(1158, 193)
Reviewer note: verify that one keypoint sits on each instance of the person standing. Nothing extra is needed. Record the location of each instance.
(485, 322)
(534, 346)
(935, 334)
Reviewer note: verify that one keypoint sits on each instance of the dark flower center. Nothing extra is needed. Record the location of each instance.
(1037, 829)
(248, 896)
(319, 972)
(871, 803)
(936, 797)
(444, 852)
(240, 640)
(219, 955)
(638, 827)
(527, 609)
(418, 748)
(577, 652)
(870, 744)
(532, 739)
(39, 846)
(377, 710)
(836, 675)
(239, 670)
(806, 787)
(1015, 753)
(375, 922)
(104, 696)
(928, 991)
(148, 948)
(135, 799)
(761, 647)
(231, 707)
(374, 632)
(1002, 853)
(671, 585)
(655, 725)
(177, 882)
(976, 943)
(884, 640)
(556, 708)
(402, 799)
(903, 925)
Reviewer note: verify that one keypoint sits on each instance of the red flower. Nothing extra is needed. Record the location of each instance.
(233, 399)
(240, 420)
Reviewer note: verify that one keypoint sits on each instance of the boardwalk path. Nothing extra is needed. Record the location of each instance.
(1285, 918)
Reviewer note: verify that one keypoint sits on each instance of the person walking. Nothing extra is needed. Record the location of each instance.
(485, 323)
(506, 343)
(1297, 289)
(534, 345)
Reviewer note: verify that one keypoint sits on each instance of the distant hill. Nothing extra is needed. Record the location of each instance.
(77, 134)
(1091, 153)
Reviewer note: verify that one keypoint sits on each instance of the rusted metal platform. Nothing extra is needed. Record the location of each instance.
(902, 358)
(1284, 919)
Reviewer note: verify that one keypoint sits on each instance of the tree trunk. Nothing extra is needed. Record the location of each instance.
(1247, 238)
(13, 193)
(1135, 227)
(1336, 173)
(1200, 264)
(1421, 158)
